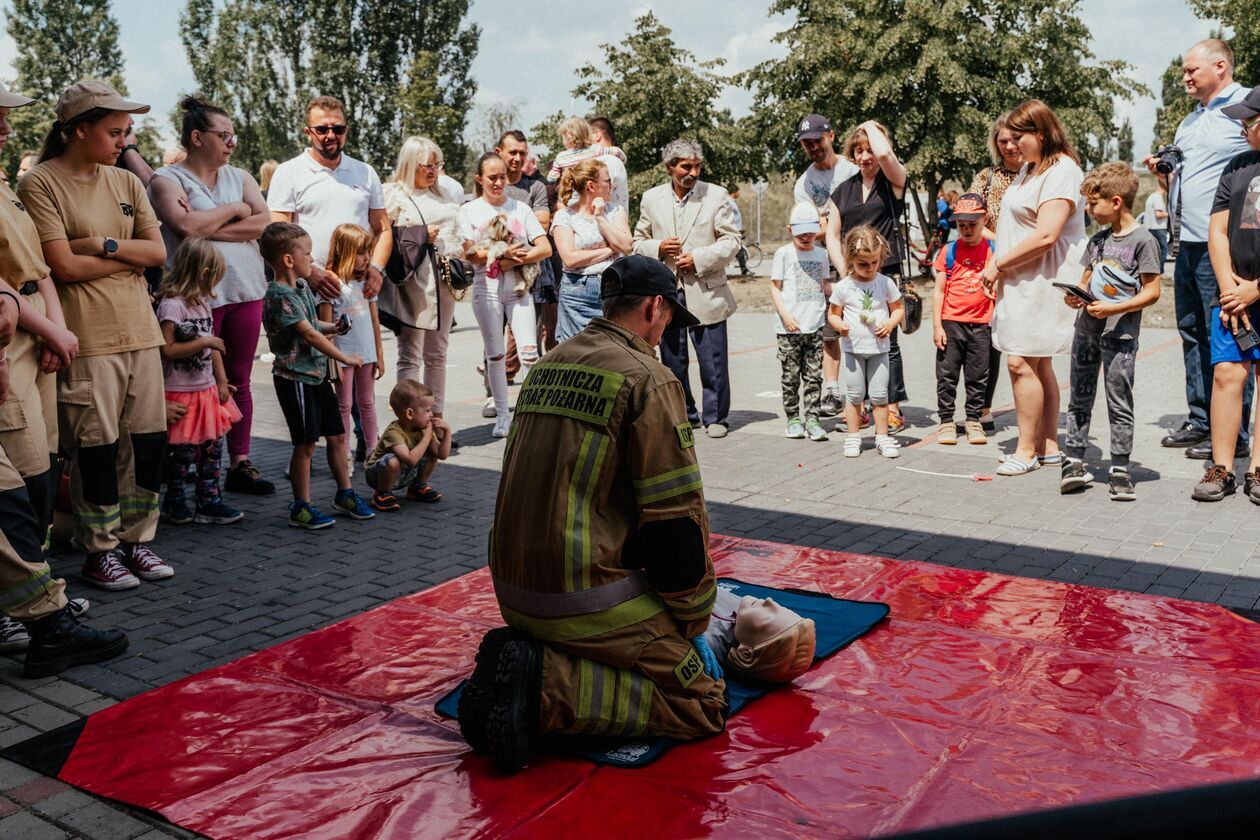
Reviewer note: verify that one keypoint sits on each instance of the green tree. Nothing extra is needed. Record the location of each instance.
(654, 92)
(58, 43)
(1243, 17)
(400, 67)
(1124, 141)
(1175, 104)
(936, 73)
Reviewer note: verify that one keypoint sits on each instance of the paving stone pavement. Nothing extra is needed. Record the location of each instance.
(247, 586)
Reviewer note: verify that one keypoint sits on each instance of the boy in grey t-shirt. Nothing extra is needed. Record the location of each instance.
(1122, 273)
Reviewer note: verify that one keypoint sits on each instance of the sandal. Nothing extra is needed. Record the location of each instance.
(1014, 466)
(423, 493)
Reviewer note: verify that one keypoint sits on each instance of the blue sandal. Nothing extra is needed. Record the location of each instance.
(1014, 466)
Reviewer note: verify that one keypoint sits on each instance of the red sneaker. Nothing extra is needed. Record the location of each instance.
(144, 563)
(385, 502)
(105, 570)
(423, 493)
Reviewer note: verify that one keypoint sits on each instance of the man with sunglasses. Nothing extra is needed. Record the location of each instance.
(825, 172)
(324, 187)
(1209, 140)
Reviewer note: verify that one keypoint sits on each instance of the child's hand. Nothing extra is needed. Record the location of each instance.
(843, 329)
(1073, 301)
(380, 368)
(1102, 310)
(440, 428)
(352, 361)
(790, 323)
(225, 392)
(939, 338)
(213, 342)
(884, 329)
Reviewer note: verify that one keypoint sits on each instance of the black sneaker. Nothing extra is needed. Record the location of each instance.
(1121, 485)
(1188, 435)
(830, 405)
(59, 641)
(176, 511)
(360, 449)
(1218, 482)
(512, 721)
(1203, 451)
(244, 478)
(1073, 476)
(479, 692)
(1251, 486)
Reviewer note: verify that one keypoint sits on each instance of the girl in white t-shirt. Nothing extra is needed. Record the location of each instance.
(865, 308)
(495, 299)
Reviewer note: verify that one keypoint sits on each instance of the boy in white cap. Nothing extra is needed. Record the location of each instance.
(799, 286)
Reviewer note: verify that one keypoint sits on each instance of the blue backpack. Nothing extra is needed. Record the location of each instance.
(952, 248)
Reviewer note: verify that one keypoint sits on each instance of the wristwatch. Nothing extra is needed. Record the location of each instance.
(111, 248)
(130, 147)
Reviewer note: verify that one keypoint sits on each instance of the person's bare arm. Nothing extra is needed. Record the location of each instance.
(441, 446)
(281, 216)
(78, 261)
(835, 248)
(938, 303)
(616, 232)
(60, 346)
(173, 349)
(889, 164)
(249, 227)
(1052, 216)
(776, 297)
(313, 334)
(412, 456)
(170, 202)
(574, 257)
(378, 220)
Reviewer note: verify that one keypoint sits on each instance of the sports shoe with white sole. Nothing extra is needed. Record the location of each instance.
(487, 408)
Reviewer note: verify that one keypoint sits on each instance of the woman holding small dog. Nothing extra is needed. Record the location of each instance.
(590, 233)
(500, 236)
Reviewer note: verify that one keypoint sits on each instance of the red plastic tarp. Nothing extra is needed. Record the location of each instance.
(983, 695)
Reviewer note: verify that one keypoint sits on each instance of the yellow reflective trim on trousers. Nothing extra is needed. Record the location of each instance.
(637, 609)
(604, 713)
(577, 536)
(97, 519)
(586, 677)
(663, 486)
(621, 709)
(645, 708)
(27, 589)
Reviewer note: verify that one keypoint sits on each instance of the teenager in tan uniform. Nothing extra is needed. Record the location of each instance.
(28, 592)
(599, 550)
(98, 234)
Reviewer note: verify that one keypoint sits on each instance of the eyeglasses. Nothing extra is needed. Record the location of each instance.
(321, 130)
(1251, 123)
(603, 180)
(228, 138)
(432, 167)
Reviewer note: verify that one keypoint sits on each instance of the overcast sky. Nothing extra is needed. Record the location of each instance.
(523, 61)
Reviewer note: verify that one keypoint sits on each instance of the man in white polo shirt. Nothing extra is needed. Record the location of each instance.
(323, 188)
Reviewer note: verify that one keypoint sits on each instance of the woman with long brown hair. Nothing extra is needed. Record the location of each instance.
(590, 233)
(1041, 238)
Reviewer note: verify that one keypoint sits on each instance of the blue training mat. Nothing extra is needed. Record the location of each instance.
(837, 622)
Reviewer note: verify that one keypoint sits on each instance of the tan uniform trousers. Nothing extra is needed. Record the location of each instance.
(632, 681)
(28, 418)
(111, 412)
(27, 587)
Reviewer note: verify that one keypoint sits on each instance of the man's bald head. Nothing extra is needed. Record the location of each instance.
(1207, 69)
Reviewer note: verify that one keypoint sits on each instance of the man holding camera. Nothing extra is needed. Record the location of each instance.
(1205, 142)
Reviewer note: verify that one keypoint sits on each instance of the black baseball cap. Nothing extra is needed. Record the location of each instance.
(640, 275)
(812, 127)
(1245, 110)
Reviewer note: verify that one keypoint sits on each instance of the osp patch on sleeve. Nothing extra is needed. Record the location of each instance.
(690, 668)
(686, 435)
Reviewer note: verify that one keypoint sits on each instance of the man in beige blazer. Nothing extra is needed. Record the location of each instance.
(688, 225)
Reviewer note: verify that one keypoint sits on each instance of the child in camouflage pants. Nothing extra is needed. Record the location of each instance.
(797, 282)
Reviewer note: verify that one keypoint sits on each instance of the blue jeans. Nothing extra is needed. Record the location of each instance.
(1194, 288)
(710, 344)
(579, 302)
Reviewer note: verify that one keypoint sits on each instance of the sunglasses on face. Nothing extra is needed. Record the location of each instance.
(1249, 124)
(321, 130)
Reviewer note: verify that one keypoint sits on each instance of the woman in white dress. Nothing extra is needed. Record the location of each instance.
(424, 307)
(1041, 237)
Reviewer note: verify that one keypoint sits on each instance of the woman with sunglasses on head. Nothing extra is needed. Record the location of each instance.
(204, 196)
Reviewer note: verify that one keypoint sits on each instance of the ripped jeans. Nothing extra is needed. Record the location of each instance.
(496, 305)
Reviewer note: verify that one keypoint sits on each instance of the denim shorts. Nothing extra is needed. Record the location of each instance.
(580, 301)
(1224, 346)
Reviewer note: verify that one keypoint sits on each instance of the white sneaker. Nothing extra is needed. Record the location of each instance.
(488, 409)
(852, 447)
(501, 426)
(887, 446)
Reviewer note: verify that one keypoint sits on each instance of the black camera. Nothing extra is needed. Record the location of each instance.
(1168, 158)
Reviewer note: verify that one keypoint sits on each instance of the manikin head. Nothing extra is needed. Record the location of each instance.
(772, 643)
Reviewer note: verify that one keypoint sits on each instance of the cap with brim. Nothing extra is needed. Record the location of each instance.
(83, 96)
(970, 207)
(1245, 110)
(812, 127)
(12, 100)
(800, 228)
(640, 275)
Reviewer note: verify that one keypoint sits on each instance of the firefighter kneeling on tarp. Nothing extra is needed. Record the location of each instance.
(599, 550)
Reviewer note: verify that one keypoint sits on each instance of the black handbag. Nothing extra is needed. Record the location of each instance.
(913, 305)
(412, 247)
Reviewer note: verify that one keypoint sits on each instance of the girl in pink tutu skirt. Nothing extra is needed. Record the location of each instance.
(192, 362)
